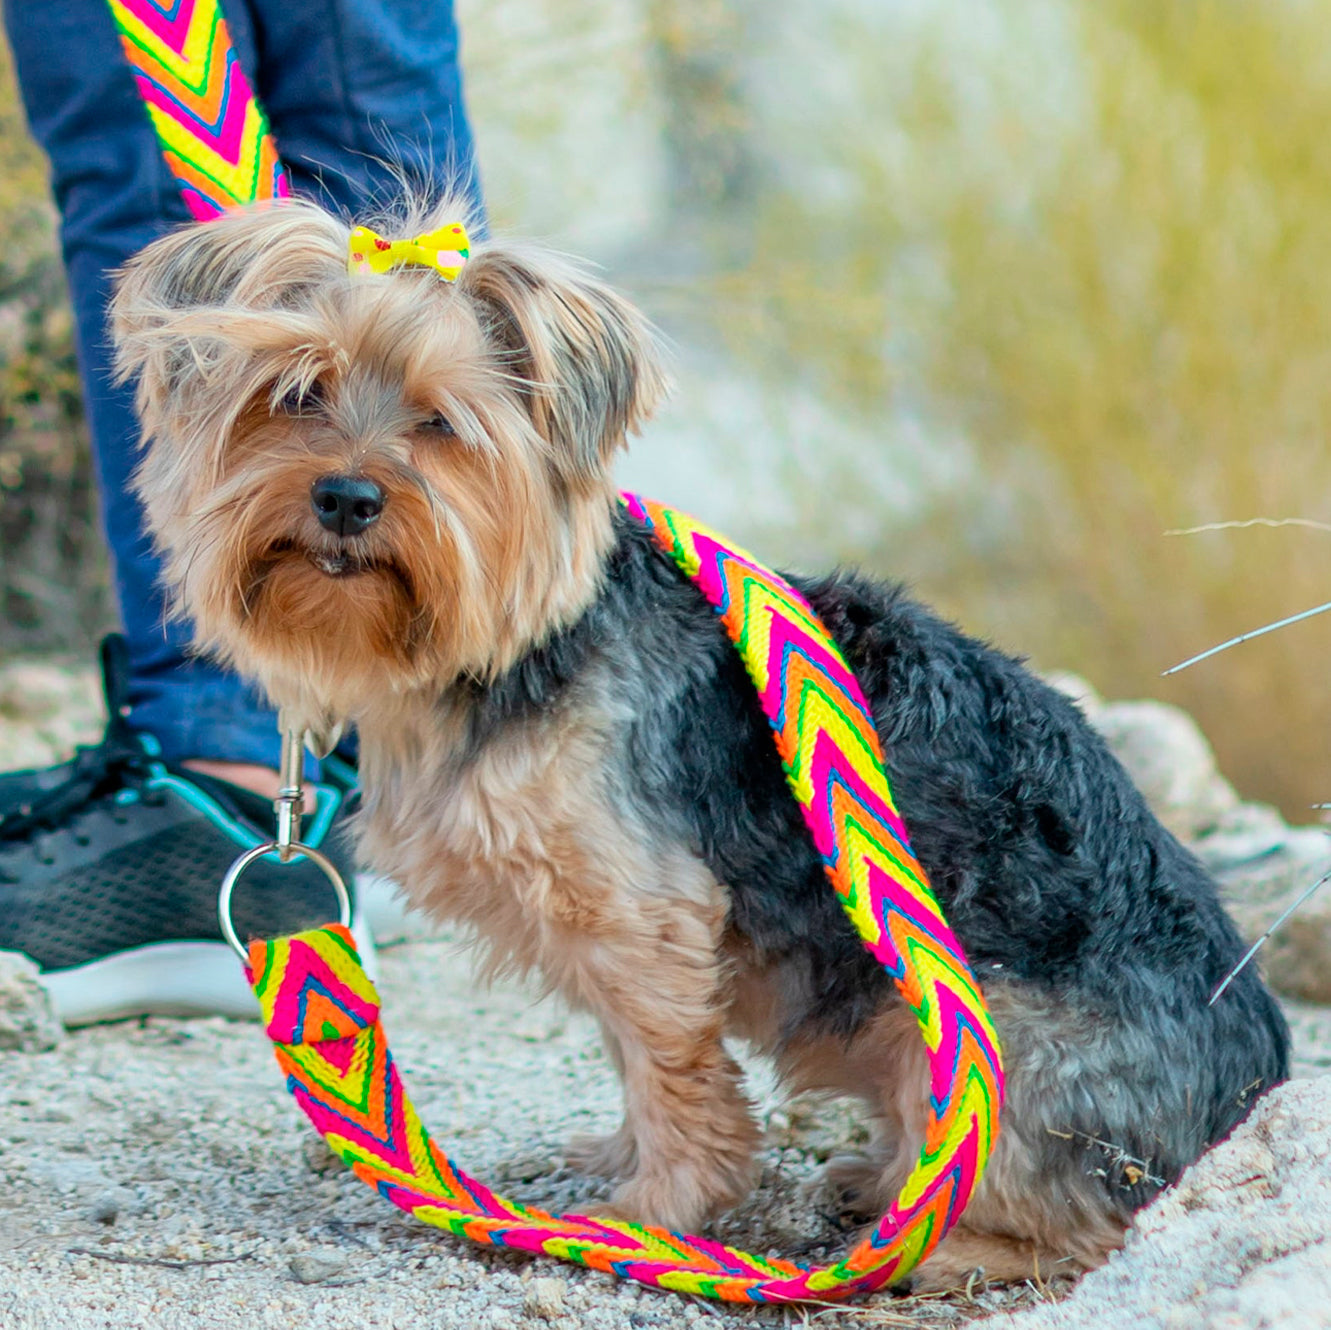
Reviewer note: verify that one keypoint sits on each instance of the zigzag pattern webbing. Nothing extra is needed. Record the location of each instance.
(212, 131)
(322, 1013)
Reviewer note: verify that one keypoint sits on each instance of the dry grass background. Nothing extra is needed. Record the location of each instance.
(1079, 244)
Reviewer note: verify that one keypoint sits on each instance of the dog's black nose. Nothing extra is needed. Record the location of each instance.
(346, 505)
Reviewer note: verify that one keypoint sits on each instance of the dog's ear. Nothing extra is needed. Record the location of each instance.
(585, 359)
(183, 302)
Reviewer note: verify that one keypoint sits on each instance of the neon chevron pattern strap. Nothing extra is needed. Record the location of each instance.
(829, 748)
(322, 1012)
(212, 131)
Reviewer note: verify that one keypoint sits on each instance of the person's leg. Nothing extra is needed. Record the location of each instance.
(109, 864)
(115, 194)
(362, 95)
(359, 93)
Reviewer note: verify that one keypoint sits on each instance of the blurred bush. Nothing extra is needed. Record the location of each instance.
(1147, 346)
(53, 575)
(1088, 240)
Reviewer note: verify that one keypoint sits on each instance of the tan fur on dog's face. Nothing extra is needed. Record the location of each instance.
(487, 410)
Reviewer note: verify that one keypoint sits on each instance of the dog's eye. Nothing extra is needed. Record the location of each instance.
(300, 401)
(439, 424)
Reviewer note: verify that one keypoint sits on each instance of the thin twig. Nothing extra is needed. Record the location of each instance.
(1252, 950)
(162, 1261)
(866, 1316)
(1247, 637)
(1045, 1294)
(1251, 521)
(975, 1277)
(1120, 1157)
(705, 1305)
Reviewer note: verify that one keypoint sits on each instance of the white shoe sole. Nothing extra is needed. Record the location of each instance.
(167, 979)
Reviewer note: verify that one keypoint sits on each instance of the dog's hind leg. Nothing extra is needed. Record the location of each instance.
(1024, 1223)
(1043, 1205)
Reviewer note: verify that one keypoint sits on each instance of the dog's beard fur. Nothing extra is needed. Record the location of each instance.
(263, 366)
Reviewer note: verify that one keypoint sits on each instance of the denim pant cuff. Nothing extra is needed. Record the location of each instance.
(193, 711)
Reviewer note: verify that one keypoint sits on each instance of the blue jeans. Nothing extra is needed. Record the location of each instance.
(350, 87)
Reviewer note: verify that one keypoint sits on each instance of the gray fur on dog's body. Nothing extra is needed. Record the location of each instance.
(561, 750)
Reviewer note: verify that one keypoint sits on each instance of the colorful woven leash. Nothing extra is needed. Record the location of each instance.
(213, 133)
(322, 1012)
(320, 1008)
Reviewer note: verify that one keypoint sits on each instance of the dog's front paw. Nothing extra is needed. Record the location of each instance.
(660, 1203)
(611, 1156)
(685, 1196)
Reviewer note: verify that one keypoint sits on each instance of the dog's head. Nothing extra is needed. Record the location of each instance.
(369, 483)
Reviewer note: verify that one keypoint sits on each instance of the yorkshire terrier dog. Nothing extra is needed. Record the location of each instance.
(387, 497)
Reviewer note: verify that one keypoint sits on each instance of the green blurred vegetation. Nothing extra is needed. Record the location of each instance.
(53, 571)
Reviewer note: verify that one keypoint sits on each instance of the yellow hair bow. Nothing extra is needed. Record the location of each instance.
(444, 250)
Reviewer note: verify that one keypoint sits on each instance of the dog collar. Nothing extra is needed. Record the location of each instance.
(444, 250)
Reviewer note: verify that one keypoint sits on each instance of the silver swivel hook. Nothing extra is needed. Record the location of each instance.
(288, 807)
(290, 801)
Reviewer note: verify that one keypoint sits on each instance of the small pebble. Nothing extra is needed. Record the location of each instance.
(105, 1209)
(313, 1267)
(545, 1298)
(318, 1157)
(526, 1167)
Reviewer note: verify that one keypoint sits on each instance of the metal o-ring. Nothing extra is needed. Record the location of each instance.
(233, 875)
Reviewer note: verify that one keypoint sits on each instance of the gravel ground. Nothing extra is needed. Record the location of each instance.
(156, 1175)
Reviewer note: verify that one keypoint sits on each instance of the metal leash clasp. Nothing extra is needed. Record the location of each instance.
(288, 806)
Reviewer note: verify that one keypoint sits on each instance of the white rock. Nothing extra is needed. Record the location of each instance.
(1170, 762)
(1080, 690)
(545, 1298)
(68, 1175)
(32, 690)
(45, 710)
(319, 1158)
(28, 1023)
(1240, 1241)
(1241, 839)
(313, 1267)
(1297, 957)
(107, 1206)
